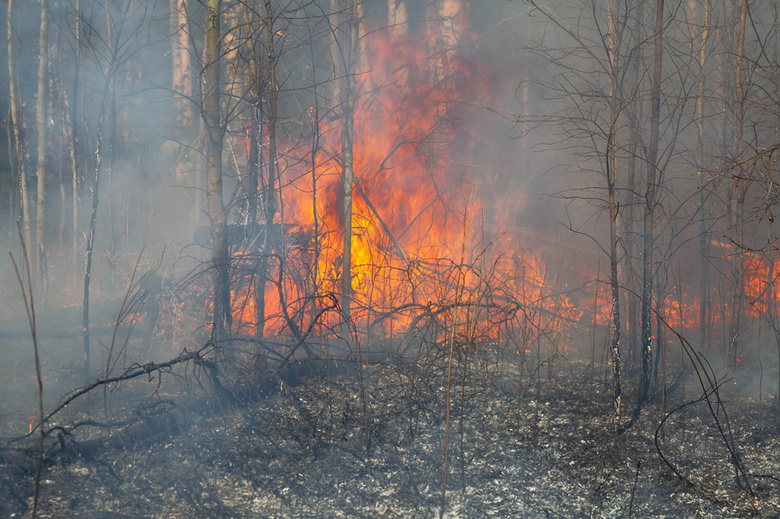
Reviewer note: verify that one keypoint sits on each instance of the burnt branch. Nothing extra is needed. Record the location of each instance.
(129, 373)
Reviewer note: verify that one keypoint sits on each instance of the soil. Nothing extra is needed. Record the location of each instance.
(303, 445)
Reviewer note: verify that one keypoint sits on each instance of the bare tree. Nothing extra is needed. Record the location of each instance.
(599, 125)
(16, 121)
(347, 58)
(42, 122)
(221, 318)
(739, 192)
(703, 190)
(653, 177)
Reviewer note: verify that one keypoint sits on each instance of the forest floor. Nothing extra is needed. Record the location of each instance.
(301, 449)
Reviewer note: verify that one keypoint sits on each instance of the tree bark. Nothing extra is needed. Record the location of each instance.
(221, 318)
(737, 203)
(40, 220)
(253, 165)
(348, 88)
(16, 122)
(704, 242)
(611, 167)
(181, 68)
(74, 136)
(653, 178)
(267, 183)
(397, 16)
(629, 212)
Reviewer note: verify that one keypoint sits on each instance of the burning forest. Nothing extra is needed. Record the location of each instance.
(389, 258)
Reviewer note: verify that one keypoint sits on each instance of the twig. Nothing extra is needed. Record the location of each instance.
(334, 304)
(30, 309)
(130, 373)
(458, 293)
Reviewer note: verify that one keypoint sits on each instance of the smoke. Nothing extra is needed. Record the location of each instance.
(519, 148)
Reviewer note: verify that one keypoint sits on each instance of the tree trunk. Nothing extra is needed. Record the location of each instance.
(252, 177)
(181, 63)
(704, 242)
(629, 216)
(211, 114)
(109, 128)
(40, 220)
(397, 16)
(16, 122)
(611, 165)
(268, 183)
(74, 136)
(653, 178)
(336, 53)
(348, 91)
(738, 196)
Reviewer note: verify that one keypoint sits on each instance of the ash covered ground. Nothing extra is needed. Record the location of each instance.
(303, 445)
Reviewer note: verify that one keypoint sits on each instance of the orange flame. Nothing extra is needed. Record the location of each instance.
(412, 149)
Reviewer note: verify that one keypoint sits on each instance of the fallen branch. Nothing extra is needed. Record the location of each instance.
(129, 373)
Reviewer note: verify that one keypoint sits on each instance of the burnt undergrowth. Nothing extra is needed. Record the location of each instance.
(341, 435)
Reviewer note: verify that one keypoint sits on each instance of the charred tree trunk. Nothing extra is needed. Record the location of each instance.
(252, 177)
(250, 181)
(221, 318)
(629, 235)
(90, 245)
(611, 173)
(704, 242)
(738, 196)
(653, 178)
(267, 183)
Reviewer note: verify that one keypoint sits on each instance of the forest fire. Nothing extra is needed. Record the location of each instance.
(412, 187)
(412, 243)
(408, 258)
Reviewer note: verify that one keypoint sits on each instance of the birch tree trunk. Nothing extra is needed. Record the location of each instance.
(347, 167)
(74, 136)
(336, 52)
(397, 16)
(183, 86)
(40, 220)
(181, 62)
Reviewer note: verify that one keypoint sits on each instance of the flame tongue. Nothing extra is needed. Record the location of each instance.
(409, 152)
(412, 150)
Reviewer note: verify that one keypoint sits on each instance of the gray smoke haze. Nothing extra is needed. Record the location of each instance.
(535, 169)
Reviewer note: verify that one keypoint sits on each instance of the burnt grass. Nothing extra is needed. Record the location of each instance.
(302, 445)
